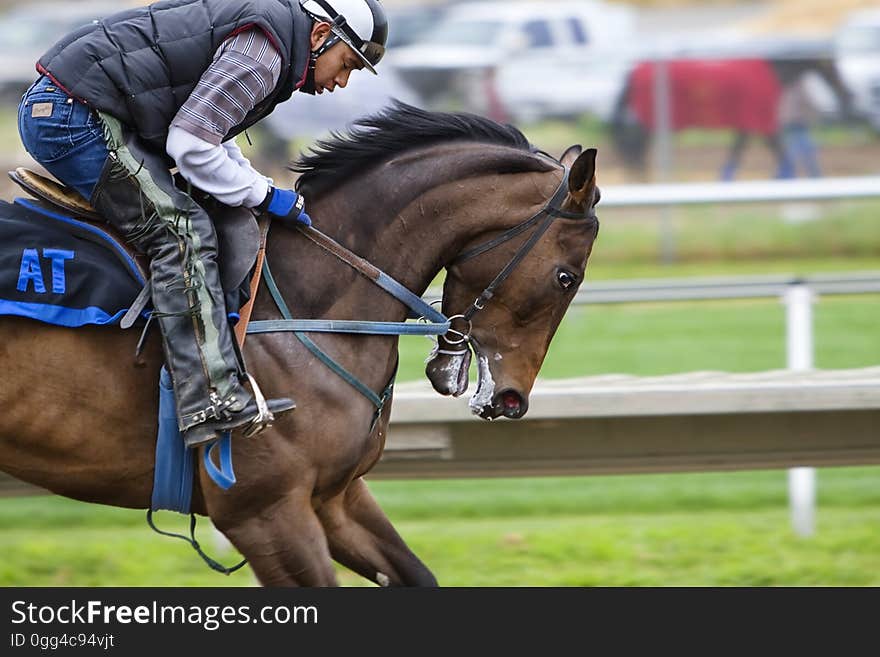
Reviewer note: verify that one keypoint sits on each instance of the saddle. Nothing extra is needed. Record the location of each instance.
(238, 235)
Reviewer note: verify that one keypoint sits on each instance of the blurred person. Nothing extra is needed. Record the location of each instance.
(798, 113)
(121, 101)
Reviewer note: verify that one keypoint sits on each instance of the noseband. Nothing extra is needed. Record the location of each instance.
(543, 219)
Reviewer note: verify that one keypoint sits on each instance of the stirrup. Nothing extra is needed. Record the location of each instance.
(249, 421)
(264, 420)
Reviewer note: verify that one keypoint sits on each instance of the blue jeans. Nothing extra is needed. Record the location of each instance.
(63, 135)
(801, 149)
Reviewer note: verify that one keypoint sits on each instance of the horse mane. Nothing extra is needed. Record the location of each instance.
(396, 129)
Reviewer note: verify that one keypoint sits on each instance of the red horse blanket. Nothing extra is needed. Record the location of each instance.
(740, 94)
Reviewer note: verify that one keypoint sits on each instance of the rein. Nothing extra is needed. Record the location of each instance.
(436, 323)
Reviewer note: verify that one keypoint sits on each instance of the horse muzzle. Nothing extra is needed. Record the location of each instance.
(489, 404)
(448, 373)
(508, 403)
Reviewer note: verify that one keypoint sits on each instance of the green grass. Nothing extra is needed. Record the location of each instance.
(643, 530)
(675, 549)
(733, 234)
(601, 268)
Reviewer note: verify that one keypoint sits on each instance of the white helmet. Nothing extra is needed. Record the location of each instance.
(359, 23)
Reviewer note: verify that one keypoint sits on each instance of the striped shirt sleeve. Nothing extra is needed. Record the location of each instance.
(245, 70)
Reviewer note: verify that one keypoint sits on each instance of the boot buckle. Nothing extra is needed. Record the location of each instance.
(199, 417)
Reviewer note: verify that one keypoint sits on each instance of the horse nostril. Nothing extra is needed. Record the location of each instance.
(512, 404)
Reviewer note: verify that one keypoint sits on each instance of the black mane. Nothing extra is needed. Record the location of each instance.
(394, 130)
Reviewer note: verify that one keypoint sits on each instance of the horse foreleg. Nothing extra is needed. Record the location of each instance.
(284, 543)
(728, 172)
(362, 538)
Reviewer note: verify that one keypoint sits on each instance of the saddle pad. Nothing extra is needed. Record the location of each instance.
(60, 270)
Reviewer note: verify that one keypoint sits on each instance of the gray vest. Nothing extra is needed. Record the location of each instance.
(142, 64)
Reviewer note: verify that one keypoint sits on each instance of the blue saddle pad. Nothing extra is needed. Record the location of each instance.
(61, 270)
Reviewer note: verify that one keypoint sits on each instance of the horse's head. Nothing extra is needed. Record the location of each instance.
(508, 293)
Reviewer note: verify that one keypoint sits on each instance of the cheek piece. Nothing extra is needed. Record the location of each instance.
(309, 85)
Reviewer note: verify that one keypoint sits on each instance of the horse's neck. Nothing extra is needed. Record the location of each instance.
(409, 219)
(316, 284)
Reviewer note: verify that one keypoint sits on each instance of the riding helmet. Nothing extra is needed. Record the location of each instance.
(361, 24)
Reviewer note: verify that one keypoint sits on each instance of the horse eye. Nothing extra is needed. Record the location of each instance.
(565, 279)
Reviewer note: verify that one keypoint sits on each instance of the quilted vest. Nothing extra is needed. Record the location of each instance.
(142, 64)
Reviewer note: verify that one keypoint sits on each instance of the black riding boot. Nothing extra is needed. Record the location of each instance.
(136, 193)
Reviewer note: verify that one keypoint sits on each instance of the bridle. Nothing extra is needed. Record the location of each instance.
(543, 219)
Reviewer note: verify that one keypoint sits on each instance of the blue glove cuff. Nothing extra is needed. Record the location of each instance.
(283, 202)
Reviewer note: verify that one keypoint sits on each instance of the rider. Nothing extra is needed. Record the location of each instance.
(123, 100)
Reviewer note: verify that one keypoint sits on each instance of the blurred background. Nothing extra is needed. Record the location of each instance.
(685, 101)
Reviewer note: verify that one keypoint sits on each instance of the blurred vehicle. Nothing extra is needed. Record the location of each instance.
(304, 118)
(534, 56)
(857, 51)
(26, 32)
(572, 86)
(406, 25)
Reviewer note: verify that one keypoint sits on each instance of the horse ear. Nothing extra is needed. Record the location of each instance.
(582, 177)
(570, 154)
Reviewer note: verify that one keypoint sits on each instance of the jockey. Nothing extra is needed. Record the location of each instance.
(121, 101)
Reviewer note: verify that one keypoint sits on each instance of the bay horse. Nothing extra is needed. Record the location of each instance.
(741, 95)
(411, 192)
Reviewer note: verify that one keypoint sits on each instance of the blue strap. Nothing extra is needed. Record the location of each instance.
(438, 324)
(345, 326)
(173, 472)
(413, 301)
(274, 291)
(224, 477)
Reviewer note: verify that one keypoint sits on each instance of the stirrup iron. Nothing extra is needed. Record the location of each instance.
(265, 418)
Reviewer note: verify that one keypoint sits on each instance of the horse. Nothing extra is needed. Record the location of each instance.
(409, 191)
(742, 95)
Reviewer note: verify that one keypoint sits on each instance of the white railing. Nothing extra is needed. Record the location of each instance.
(745, 191)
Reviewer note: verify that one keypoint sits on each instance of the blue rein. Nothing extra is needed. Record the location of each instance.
(437, 324)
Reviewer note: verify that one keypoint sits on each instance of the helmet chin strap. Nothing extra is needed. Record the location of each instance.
(309, 85)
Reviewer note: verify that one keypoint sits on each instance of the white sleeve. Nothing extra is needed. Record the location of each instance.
(234, 152)
(212, 169)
